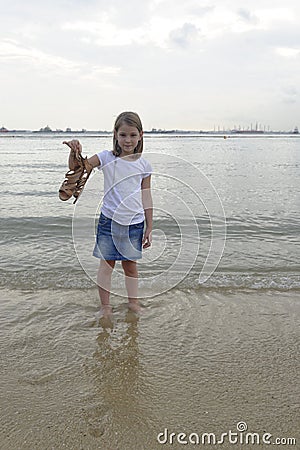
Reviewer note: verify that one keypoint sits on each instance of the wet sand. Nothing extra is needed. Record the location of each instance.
(197, 361)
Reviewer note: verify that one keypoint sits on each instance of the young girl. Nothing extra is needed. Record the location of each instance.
(127, 204)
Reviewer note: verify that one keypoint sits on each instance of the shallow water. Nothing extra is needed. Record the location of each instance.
(240, 192)
(202, 357)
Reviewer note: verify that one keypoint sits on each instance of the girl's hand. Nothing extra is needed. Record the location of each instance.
(75, 147)
(147, 239)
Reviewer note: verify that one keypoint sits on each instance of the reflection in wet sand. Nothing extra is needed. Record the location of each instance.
(117, 411)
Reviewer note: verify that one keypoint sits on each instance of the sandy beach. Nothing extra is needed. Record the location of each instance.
(197, 361)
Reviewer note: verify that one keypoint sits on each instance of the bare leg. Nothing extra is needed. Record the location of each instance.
(104, 285)
(131, 283)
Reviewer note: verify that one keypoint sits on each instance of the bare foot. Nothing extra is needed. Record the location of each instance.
(105, 312)
(135, 307)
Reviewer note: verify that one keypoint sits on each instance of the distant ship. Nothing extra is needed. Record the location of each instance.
(296, 131)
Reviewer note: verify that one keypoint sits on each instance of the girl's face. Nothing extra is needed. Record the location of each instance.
(128, 138)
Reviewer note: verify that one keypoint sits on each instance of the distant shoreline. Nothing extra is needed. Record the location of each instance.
(160, 133)
(157, 131)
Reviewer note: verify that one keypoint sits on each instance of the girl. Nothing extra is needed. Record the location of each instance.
(127, 204)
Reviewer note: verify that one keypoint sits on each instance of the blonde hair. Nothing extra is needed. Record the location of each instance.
(133, 120)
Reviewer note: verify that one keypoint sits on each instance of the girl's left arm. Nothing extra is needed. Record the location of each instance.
(148, 209)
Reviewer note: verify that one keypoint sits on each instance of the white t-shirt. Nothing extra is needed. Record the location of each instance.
(122, 200)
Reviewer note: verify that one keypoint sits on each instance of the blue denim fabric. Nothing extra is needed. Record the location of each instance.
(118, 242)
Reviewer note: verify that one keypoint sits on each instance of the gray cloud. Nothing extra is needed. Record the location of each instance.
(247, 16)
(184, 35)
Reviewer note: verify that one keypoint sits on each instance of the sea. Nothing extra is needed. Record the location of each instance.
(216, 343)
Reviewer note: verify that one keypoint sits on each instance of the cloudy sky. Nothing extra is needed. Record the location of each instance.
(188, 64)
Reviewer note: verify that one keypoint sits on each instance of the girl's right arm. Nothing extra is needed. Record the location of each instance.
(94, 161)
(76, 148)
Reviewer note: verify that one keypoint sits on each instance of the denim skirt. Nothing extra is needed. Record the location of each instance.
(118, 242)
